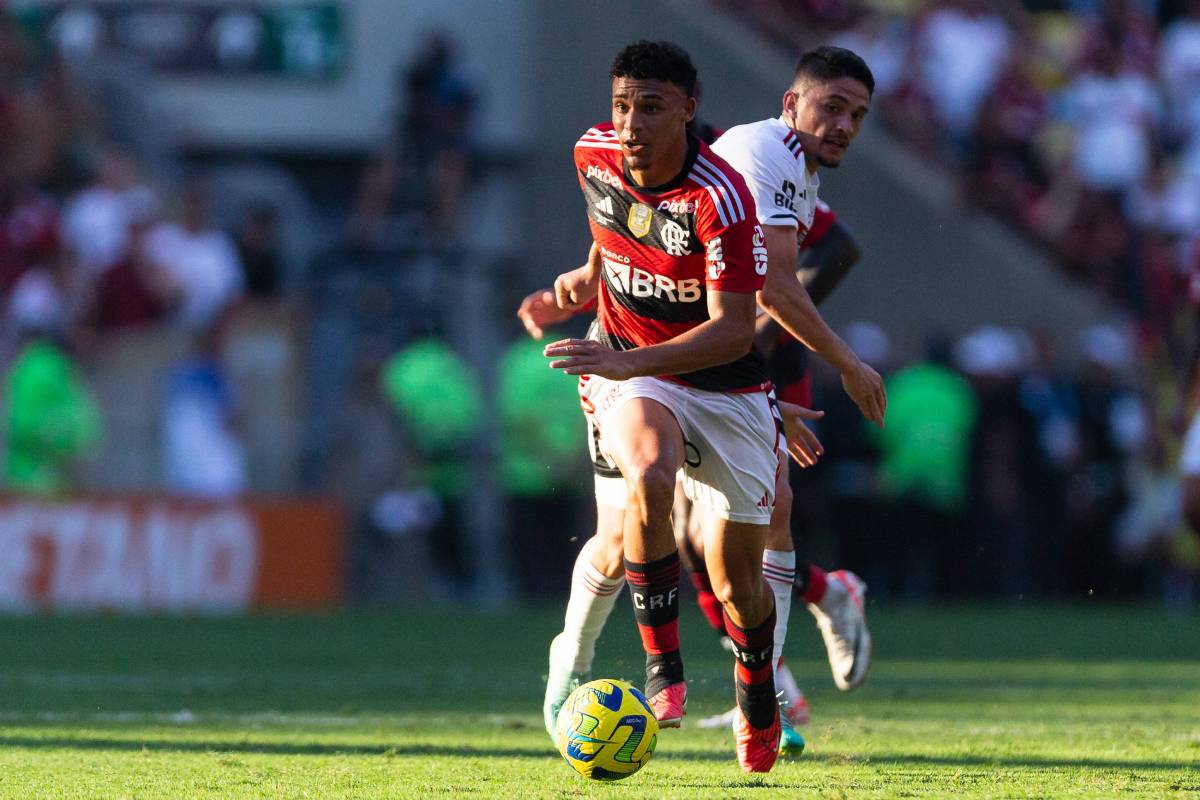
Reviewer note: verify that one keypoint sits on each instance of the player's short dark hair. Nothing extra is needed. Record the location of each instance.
(827, 62)
(656, 61)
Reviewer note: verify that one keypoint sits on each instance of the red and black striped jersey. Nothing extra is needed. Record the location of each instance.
(664, 248)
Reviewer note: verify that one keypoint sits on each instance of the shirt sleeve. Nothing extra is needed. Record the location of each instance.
(735, 254)
(773, 175)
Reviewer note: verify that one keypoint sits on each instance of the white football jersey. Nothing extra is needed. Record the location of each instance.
(768, 155)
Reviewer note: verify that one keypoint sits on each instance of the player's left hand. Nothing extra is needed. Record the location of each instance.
(538, 311)
(865, 387)
(803, 445)
(587, 357)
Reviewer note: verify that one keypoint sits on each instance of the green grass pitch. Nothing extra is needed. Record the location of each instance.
(1015, 702)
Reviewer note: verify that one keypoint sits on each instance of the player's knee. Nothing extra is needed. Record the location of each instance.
(608, 553)
(736, 594)
(652, 489)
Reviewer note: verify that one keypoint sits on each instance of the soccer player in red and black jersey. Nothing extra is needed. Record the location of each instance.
(672, 381)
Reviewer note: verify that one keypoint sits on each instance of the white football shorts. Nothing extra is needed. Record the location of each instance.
(731, 442)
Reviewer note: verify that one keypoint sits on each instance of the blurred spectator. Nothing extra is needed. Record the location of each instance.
(259, 250)
(1164, 202)
(1124, 27)
(96, 219)
(924, 467)
(437, 397)
(135, 290)
(1113, 111)
(542, 466)
(1006, 473)
(203, 454)
(438, 110)
(1179, 66)
(51, 417)
(430, 157)
(1113, 425)
(201, 259)
(28, 230)
(963, 44)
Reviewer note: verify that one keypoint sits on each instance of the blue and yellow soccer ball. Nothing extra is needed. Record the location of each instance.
(606, 730)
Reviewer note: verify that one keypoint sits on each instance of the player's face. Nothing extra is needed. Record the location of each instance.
(826, 116)
(650, 118)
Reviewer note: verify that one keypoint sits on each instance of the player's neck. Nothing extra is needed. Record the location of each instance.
(810, 164)
(664, 169)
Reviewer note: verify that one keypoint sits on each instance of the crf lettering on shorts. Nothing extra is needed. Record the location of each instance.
(637, 282)
(653, 601)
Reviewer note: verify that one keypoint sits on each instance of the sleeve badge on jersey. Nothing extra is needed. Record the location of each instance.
(639, 219)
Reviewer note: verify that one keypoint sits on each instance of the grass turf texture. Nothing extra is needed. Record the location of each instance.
(1080, 702)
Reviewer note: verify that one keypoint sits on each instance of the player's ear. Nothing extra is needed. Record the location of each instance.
(689, 108)
(790, 98)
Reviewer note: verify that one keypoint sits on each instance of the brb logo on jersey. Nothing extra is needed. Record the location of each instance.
(716, 258)
(759, 250)
(637, 282)
(674, 238)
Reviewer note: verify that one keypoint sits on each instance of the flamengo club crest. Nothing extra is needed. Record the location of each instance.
(675, 238)
(639, 219)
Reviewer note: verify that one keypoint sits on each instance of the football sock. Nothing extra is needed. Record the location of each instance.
(593, 595)
(812, 587)
(710, 606)
(752, 670)
(654, 587)
(779, 568)
(785, 683)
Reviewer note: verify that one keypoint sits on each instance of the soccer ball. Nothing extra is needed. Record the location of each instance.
(606, 730)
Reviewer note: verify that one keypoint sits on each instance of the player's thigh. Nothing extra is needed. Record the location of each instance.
(644, 438)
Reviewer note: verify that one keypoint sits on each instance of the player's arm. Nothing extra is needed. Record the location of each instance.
(575, 289)
(539, 310)
(823, 265)
(785, 299)
(726, 336)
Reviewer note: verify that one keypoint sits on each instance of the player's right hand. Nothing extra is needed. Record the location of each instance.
(865, 388)
(539, 311)
(802, 444)
(575, 289)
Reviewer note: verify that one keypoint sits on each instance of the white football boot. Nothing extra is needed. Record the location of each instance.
(843, 623)
(561, 680)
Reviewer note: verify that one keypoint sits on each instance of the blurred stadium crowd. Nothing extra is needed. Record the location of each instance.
(1080, 125)
(1077, 121)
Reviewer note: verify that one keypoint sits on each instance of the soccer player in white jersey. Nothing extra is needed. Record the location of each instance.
(823, 110)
